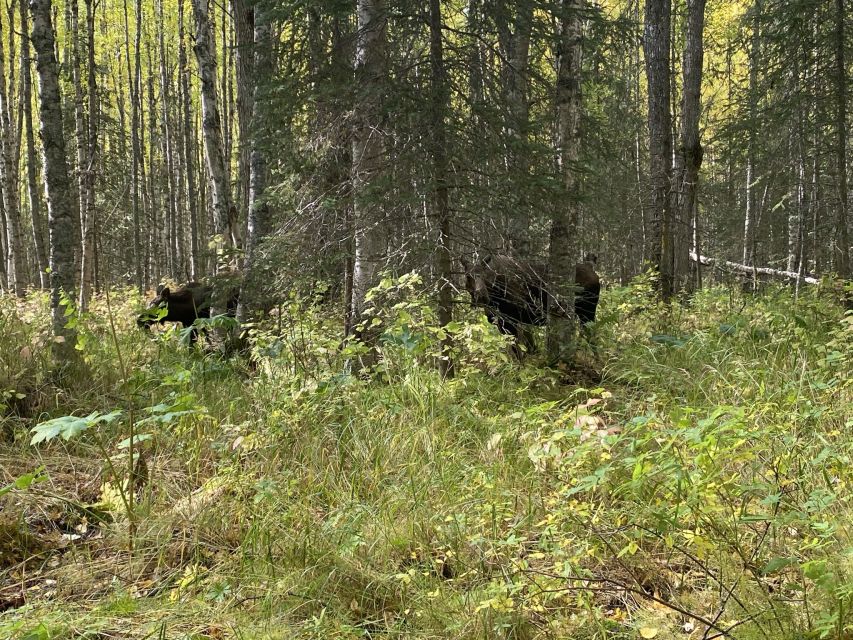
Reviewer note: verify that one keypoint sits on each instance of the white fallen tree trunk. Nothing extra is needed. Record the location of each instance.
(734, 266)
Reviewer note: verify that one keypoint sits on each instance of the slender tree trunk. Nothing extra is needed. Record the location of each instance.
(9, 175)
(750, 214)
(89, 278)
(188, 147)
(225, 92)
(441, 198)
(796, 212)
(60, 206)
(170, 210)
(689, 156)
(516, 49)
(368, 153)
(842, 252)
(133, 81)
(259, 222)
(656, 47)
(224, 220)
(84, 149)
(243, 28)
(37, 223)
(154, 222)
(564, 221)
(4, 242)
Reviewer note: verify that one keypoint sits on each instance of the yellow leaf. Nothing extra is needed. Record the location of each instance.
(648, 632)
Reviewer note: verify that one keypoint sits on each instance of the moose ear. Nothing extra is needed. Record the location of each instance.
(165, 293)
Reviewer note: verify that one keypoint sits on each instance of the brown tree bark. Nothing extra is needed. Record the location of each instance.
(689, 157)
(562, 255)
(842, 250)
(657, 49)
(60, 206)
(440, 99)
(515, 45)
(259, 222)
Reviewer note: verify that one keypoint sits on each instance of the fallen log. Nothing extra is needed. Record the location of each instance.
(744, 268)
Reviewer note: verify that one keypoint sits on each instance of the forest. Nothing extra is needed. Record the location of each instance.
(513, 319)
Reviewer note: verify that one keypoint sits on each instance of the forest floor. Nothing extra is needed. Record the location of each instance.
(689, 478)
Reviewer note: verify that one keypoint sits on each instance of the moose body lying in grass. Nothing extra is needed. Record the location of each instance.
(516, 293)
(184, 305)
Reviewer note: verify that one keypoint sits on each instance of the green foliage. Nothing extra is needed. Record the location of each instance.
(24, 481)
(705, 482)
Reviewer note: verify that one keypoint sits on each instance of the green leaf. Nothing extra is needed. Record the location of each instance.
(671, 341)
(774, 565)
(142, 437)
(24, 481)
(69, 426)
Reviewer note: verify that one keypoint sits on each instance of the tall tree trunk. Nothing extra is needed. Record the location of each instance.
(9, 175)
(224, 220)
(37, 223)
(188, 148)
(153, 221)
(440, 99)
(368, 155)
(750, 213)
(842, 252)
(133, 81)
(656, 47)
(796, 214)
(84, 160)
(88, 273)
(243, 28)
(60, 206)
(564, 222)
(167, 149)
(689, 157)
(516, 50)
(259, 222)
(225, 93)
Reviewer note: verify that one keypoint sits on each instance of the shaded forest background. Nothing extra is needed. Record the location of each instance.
(774, 121)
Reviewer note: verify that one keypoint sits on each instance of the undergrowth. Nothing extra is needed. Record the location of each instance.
(698, 488)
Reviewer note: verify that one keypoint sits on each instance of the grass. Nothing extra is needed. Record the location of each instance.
(699, 488)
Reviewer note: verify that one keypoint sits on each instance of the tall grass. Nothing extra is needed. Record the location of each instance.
(700, 489)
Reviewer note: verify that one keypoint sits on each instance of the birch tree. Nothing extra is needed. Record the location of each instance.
(214, 153)
(750, 214)
(9, 174)
(37, 225)
(60, 206)
(370, 225)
